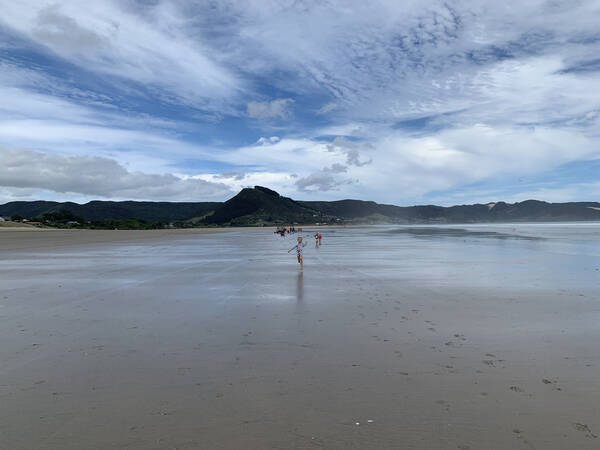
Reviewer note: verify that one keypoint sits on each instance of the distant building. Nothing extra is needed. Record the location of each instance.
(2, 219)
(72, 223)
(29, 222)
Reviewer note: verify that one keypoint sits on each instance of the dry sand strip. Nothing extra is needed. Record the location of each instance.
(21, 239)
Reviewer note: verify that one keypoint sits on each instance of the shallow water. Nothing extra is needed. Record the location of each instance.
(524, 255)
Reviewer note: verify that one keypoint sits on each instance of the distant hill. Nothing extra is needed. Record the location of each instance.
(103, 210)
(263, 206)
(529, 210)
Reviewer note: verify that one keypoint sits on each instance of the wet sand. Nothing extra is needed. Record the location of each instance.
(485, 338)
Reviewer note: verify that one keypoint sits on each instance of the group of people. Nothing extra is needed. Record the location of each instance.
(299, 247)
(282, 231)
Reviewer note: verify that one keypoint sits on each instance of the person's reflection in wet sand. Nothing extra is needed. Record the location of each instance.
(300, 307)
(300, 287)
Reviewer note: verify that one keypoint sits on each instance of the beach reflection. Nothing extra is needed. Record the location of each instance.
(300, 287)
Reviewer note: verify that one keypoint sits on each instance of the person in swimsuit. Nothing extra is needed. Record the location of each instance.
(299, 251)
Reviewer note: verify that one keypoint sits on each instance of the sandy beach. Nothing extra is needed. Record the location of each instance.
(474, 337)
(49, 238)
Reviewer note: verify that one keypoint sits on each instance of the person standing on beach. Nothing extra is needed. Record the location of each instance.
(299, 251)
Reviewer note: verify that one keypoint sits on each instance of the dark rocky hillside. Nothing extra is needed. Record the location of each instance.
(262, 206)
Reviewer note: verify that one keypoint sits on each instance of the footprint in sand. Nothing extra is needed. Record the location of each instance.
(493, 362)
(584, 429)
(444, 403)
(520, 436)
(516, 389)
(553, 383)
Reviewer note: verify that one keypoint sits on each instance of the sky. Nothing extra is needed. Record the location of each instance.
(402, 102)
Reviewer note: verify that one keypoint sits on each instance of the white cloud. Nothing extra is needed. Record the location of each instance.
(286, 155)
(97, 176)
(351, 150)
(404, 169)
(237, 176)
(327, 179)
(274, 109)
(268, 141)
(278, 181)
(407, 168)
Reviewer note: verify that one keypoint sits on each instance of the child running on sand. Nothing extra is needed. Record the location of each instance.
(299, 250)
